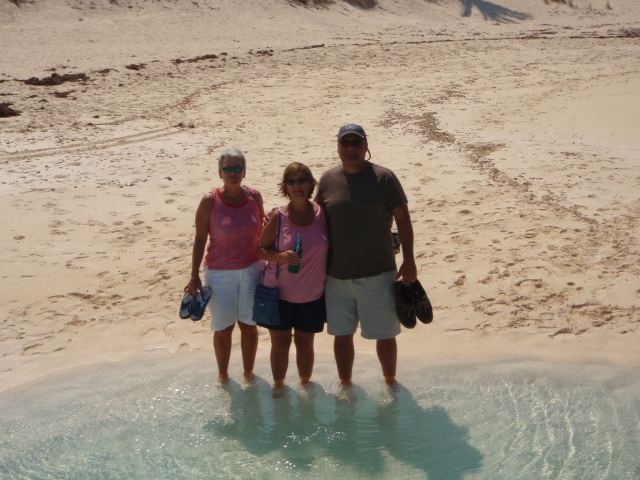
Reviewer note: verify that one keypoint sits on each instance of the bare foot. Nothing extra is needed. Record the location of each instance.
(223, 381)
(343, 390)
(278, 389)
(304, 380)
(345, 382)
(392, 383)
(249, 378)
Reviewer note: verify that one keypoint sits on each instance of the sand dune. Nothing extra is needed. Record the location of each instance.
(512, 125)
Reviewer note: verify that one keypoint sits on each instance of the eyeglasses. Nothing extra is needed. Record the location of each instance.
(299, 181)
(355, 143)
(237, 169)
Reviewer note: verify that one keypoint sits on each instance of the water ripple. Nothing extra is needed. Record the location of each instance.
(165, 420)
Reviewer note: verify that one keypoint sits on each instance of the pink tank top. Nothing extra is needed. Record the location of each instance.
(233, 233)
(308, 284)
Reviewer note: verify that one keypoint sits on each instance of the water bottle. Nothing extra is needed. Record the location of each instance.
(297, 249)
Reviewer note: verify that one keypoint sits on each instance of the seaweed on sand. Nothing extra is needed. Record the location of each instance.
(7, 111)
(56, 79)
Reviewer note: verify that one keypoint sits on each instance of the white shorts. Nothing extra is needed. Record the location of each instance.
(232, 293)
(366, 300)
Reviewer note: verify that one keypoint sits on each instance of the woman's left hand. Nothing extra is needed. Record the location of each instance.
(288, 257)
(194, 285)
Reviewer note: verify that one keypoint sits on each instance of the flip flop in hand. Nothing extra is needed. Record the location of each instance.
(194, 307)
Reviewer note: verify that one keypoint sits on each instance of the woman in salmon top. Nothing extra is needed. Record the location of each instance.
(231, 218)
(302, 306)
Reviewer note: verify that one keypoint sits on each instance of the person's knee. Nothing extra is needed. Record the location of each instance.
(343, 340)
(280, 343)
(227, 332)
(304, 343)
(387, 343)
(248, 329)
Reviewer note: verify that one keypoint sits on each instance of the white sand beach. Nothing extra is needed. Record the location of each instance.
(513, 126)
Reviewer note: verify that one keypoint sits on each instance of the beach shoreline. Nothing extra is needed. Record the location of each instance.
(513, 132)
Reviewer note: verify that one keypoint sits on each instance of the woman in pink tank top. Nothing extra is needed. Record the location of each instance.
(230, 217)
(300, 280)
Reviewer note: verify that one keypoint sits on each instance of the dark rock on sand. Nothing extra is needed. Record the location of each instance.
(209, 56)
(136, 66)
(7, 111)
(56, 79)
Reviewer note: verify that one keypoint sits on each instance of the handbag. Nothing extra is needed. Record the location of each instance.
(266, 301)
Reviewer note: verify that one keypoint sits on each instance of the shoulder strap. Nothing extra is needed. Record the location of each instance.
(277, 244)
(249, 192)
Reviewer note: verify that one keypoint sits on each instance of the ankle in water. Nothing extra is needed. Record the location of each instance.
(392, 383)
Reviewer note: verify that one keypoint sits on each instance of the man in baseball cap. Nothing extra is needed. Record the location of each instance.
(361, 201)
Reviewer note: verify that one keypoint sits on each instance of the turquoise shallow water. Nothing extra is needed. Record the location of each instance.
(165, 418)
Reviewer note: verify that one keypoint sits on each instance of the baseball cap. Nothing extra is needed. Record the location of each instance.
(351, 128)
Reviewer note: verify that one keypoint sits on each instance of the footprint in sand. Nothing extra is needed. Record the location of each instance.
(459, 282)
(562, 331)
(170, 328)
(31, 347)
(536, 281)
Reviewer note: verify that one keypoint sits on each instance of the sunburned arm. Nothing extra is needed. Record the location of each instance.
(265, 249)
(203, 214)
(408, 271)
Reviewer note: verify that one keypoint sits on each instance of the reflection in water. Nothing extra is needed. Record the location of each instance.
(428, 439)
(358, 432)
(160, 420)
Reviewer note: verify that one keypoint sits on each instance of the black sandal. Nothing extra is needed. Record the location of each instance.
(423, 309)
(405, 305)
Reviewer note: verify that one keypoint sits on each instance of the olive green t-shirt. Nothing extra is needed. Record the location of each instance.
(358, 208)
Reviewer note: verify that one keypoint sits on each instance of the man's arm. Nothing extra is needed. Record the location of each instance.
(408, 271)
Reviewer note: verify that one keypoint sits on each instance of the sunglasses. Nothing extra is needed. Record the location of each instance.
(299, 181)
(237, 169)
(354, 143)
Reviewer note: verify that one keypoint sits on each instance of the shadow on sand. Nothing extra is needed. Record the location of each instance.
(493, 12)
(353, 432)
